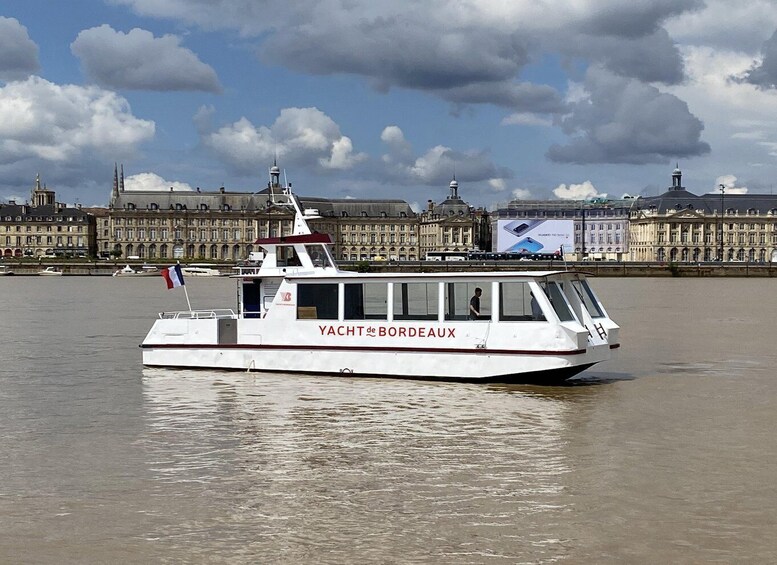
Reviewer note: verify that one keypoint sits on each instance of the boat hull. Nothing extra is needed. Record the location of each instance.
(478, 365)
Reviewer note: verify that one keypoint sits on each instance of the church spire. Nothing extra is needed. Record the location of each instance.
(121, 179)
(115, 191)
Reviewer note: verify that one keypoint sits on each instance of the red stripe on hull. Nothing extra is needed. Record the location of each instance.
(363, 348)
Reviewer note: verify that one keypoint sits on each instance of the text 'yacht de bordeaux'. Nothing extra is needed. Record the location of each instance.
(299, 313)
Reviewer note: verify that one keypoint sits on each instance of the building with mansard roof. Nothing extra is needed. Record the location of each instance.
(679, 225)
(44, 227)
(223, 225)
(452, 225)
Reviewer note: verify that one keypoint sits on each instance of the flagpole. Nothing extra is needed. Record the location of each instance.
(186, 292)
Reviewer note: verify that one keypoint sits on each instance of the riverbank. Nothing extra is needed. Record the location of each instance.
(597, 268)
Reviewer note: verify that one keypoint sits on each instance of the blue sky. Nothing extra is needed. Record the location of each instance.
(522, 99)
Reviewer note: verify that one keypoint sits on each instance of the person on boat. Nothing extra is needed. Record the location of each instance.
(536, 311)
(474, 304)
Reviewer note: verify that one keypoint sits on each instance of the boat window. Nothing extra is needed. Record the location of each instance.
(588, 298)
(457, 300)
(318, 255)
(559, 303)
(416, 301)
(287, 257)
(317, 301)
(366, 301)
(517, 303)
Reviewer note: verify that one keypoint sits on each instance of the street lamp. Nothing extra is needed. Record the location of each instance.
(720, 241)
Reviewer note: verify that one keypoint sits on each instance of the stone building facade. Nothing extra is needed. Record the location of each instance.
(43, 227)
(222, 225)
(451, 225)
(679, 226)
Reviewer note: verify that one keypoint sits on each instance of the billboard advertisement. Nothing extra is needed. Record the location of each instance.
(530, 236)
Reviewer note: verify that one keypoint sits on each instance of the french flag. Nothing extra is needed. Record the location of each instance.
(173, 276)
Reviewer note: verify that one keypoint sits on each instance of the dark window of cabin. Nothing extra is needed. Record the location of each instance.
(517, 303)
(252, 299)
(317, 301)
(366, 301)
(416, 301)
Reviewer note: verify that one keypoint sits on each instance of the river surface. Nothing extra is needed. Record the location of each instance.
(666, 455)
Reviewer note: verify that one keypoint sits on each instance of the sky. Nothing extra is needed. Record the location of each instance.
(367, 99)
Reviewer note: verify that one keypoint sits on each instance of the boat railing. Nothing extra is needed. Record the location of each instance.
(224, 313)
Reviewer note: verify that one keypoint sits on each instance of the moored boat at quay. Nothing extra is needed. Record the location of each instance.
(299, 313)
(200, 271)
(144, 271)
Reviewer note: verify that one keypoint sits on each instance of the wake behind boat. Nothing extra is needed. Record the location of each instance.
(299, 313)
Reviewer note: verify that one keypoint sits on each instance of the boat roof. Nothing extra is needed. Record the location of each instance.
(292, 239)
(490, 275)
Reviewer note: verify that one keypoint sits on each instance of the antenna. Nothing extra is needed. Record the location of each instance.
(286, 183)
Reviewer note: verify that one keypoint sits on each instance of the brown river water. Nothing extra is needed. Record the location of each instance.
(667, 454)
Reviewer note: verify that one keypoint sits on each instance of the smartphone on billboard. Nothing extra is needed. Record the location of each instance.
(527, 244)
(520, 227)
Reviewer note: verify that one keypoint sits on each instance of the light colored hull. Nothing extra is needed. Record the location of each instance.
(442, 366)
(463, 356)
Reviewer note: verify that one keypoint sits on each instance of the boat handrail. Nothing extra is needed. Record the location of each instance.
(200, 314)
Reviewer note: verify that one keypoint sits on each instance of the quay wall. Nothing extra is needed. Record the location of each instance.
(596, 268)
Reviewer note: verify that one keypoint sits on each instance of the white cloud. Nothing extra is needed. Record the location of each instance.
(399, 148)
(342, 156)
(153, 182)
(521, 193)
(736, 115)
(497, 185)
(139, 61)
(39, 119)
(730, 24)
(437, 165)
(18, 53)
(301, 136)
(526, 119)
(576, 191)
(730, 184)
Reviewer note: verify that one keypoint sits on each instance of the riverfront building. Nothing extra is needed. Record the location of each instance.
(679, 226)
(601, 226)
(452, 225)
(222, 225)
(44, 227)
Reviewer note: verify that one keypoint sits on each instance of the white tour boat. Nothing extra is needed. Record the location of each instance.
(51, 272)
(5, 270)
(299, 313)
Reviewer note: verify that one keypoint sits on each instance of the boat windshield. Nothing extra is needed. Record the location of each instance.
(287, 256)
(588, 298)
(559, 303)
(318, 255)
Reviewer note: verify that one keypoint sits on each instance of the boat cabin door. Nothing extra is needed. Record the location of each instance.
(257, 296)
